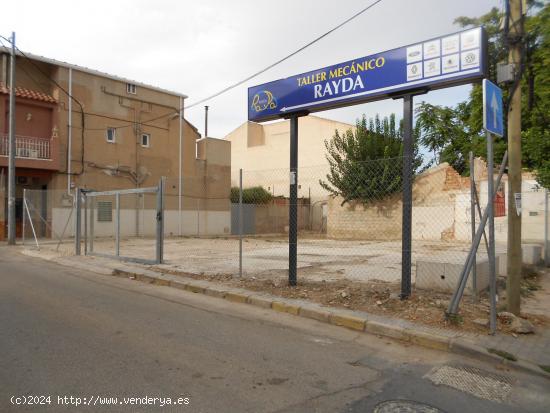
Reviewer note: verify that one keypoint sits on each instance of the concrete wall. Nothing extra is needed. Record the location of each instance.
(198, 222)
(441, 211)
(433, 211)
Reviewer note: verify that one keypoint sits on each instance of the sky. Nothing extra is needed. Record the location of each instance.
(198, 48)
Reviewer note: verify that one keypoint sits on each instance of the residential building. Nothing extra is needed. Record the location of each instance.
(113, 133)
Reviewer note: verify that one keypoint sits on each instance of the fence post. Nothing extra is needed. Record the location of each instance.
(240, 222)
(77, 222)
(92, 221)
(473, 224)
(160, 222)
(85, 223)
(117, 224)
(546, 241)
(23, 224)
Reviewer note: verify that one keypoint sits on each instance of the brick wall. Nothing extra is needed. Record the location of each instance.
(434, 194)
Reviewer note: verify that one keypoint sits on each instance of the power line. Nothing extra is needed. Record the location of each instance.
(130, 123)
(272, 65)
(286, 57)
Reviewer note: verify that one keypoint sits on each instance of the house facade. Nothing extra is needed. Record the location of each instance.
(113, 133)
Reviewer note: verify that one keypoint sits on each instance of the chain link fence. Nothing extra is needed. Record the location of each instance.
(356, 239)
(349, 224)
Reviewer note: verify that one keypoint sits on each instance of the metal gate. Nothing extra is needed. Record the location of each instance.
(85, 221)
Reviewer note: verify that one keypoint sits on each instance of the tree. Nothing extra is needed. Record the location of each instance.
(365, 163)
(452, 132)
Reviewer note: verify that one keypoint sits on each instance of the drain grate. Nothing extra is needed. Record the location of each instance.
(479, 383)
(404, 406)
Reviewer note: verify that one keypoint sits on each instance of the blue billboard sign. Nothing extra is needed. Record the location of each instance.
(493, 111)
(445, 61)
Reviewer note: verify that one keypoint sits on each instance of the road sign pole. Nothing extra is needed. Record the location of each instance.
(491, 251)
(293, 207)
(406, 244)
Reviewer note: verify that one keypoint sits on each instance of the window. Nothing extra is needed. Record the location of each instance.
(104, 211)
(131, 88)
(145, 140)
(111, 135)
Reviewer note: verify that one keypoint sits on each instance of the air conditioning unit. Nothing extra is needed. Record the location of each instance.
(22, 152)
(33, 153)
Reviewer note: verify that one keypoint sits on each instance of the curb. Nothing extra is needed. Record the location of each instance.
(341, 318)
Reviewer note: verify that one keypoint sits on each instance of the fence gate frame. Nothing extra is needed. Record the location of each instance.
(86, 200)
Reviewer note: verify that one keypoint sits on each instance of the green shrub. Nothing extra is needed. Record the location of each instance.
(253, 195)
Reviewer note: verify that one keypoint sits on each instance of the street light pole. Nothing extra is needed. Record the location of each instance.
(11, 159)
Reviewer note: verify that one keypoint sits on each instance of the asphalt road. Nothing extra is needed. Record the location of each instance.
(67, 332)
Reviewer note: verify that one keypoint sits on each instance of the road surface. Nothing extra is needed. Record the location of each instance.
(99, 339)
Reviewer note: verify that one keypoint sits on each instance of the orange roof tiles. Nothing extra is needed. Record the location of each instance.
(27, 93)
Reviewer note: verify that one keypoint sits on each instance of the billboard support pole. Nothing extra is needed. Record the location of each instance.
(293, 201)
(406, 244)
(293, 207)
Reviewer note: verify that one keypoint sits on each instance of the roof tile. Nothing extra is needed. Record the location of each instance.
(27, 93)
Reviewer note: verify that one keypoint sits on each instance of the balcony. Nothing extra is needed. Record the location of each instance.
(30, 152)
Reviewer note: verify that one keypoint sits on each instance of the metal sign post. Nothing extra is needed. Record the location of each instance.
(493, 124)
(491, 251)
(450, 60)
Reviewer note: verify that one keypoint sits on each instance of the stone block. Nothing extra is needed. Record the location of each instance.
(285, 307)
(349, 321)
(502, 266)
(443, 274)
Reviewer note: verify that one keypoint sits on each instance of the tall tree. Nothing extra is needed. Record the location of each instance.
(365, 163)
(451, 132)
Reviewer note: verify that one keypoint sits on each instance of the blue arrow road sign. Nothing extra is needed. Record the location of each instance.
(492, 108)
(449, 60)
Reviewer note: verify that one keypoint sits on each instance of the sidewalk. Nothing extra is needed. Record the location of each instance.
(525, 352)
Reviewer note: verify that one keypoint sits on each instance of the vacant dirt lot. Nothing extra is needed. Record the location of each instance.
(359, 275)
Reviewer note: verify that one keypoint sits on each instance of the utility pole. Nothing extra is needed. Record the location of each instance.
(206, 121)
(515, 39)
(11, 160)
